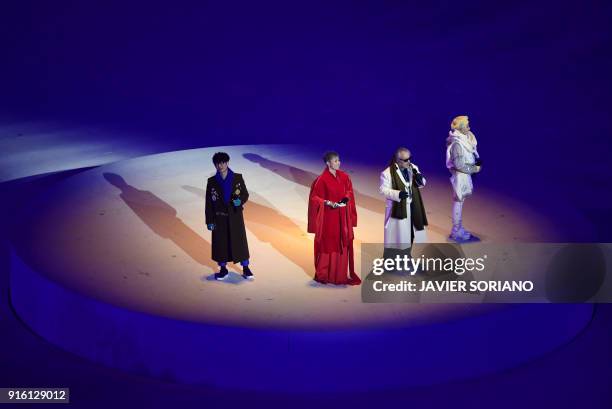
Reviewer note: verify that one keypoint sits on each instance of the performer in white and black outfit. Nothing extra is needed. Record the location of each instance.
(462, 160)
(405, 217)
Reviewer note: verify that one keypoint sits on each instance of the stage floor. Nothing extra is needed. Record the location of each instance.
(114, 265)
(133, 234)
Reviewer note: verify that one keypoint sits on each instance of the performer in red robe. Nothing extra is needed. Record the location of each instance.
(331, 217)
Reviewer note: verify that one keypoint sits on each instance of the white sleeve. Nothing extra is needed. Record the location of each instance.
(459, 162)
(385, 187)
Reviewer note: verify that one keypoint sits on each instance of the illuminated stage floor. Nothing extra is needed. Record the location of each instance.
(114, 265)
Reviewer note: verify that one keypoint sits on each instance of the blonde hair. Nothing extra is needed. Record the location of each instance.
(459, 121)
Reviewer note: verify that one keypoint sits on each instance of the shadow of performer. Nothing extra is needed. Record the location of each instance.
(305, 178)
(160, 217)
(271, 226)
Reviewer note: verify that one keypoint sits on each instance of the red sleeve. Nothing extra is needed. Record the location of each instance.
(316, 204)
(352, 205)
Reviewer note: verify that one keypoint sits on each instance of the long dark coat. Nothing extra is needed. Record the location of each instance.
(229, 241)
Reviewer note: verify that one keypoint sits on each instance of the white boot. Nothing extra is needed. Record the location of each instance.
(458, 233)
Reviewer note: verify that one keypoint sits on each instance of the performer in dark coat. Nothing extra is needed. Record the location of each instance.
(226, 194)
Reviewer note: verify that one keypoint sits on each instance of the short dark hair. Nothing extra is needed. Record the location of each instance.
(329, 155)
(220, 157)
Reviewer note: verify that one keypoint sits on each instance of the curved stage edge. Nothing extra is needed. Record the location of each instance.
(294, 360)
(112, 265)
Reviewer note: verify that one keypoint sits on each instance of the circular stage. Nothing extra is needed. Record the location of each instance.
(114, 264)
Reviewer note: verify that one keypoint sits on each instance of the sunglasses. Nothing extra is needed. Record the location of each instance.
(404, 160)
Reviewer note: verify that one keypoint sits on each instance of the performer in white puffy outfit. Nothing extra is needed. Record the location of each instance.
(405, 217)
(462, 160)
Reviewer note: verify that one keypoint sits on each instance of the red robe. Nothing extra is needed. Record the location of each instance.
(333, 228)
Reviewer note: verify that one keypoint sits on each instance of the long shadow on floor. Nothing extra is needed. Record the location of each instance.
(161, 218)
(271, 226)
(305, 178)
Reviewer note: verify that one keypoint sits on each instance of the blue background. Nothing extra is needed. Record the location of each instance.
(360, 77)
